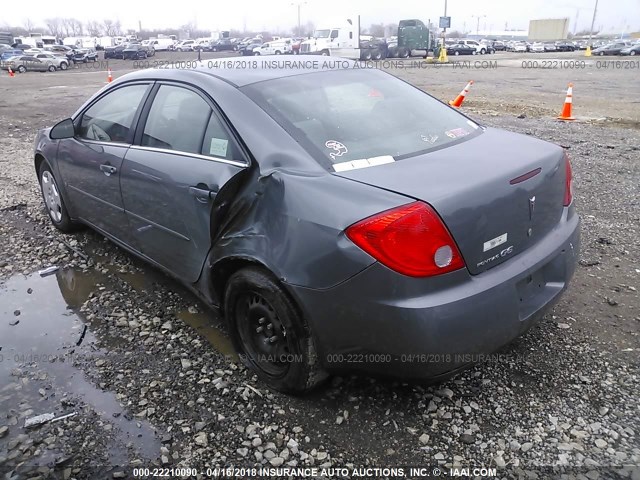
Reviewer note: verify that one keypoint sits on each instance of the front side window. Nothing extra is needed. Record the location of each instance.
(110, 118)
(346, 115)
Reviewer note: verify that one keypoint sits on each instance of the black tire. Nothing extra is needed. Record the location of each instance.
(366, 55)
(52, 68)
(64, 224)
(456, 52)
(376, 55)
(324, 53)
(403, 53)
(22, 69)
(632, 52)
(482, 51)
(63, 66)
(256, 53)
(278, 52)
(254, 300)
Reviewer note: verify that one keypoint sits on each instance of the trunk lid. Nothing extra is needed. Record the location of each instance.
(498, 193)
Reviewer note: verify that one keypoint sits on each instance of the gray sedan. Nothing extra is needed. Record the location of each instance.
(339, 218)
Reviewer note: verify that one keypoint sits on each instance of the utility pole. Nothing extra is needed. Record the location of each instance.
(299, 4)
(593, 21)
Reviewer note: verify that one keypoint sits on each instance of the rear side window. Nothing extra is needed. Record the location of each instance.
(182, 120)
(346, 115)
(110, 118)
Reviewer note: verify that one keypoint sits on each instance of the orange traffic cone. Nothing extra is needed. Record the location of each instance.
(109, 76)
(460, 98)
(11, 74)
(566, 109)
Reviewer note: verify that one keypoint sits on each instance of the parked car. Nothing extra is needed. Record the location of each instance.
(223, 44)
(480, 48)
(10, 52)
(22, 46)
(610, 49)
(632, 50)
(499, 46)
(24, 63)
(537, 47)
(328, 214)
(58, 49)
(549, 47)
(137, 52)
(249, 48)
(519, 47)
(59, 61)
(461, 49)
(565, 46)
(85, 55)
(115, 52)
(185, 46)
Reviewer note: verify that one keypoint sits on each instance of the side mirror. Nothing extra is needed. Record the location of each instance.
(64, 129)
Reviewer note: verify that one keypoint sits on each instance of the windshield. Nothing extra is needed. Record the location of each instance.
(322, 33)
(346, 115)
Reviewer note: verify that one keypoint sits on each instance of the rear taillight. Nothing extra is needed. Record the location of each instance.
(568, 182)
(410, 239)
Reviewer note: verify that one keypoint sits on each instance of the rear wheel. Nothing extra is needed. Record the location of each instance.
(64, 66)
(269, 332)
(632, 52)
(483, 51)
(324, 53)
(278, 52)
(376, 55)
(52, 68)
(53, 200)
(456, 52)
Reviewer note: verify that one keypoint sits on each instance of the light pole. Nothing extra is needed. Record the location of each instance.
(299, 4)
(478, 17)
(593, 21)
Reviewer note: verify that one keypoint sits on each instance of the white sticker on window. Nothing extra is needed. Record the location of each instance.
(218, 147)
(363, 163)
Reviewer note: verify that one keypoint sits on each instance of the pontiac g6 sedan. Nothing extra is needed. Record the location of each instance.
(339, 218)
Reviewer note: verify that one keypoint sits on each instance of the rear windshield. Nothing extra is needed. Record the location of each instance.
(345, 115)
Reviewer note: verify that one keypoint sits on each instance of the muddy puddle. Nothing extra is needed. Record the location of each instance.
(42, 334)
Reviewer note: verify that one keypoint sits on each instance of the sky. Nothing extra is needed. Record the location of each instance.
(613, 16)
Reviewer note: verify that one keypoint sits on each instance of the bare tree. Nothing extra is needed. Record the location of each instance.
(54, 26)
(377, 30)
(117, 27)
(93, 28)
(77, 28)
(28, 25)
(108, 28)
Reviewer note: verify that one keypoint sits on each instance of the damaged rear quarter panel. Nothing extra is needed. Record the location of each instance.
(290, 212)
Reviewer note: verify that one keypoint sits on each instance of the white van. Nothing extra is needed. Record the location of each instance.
(161, 44)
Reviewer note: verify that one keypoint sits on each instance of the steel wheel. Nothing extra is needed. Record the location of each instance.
(262, 333)
(51, 196)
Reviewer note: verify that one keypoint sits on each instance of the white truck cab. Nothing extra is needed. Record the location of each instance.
(342, 39)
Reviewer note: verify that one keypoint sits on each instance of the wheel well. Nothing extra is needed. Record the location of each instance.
(222, 271)
(38, 161)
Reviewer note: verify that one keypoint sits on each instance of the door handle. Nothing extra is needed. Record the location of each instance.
(202, 193)
(108, 169)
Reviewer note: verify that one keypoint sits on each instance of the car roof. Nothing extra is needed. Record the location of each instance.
(247, 72)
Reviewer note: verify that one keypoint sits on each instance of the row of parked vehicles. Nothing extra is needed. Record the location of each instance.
(600, 47)
(21, 57)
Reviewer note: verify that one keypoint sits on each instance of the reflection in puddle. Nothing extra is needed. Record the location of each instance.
(41, 344)
(202, 323)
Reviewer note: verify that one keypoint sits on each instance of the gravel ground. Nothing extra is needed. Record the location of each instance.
(153, 382)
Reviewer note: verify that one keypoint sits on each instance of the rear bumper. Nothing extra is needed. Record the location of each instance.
(380, 322)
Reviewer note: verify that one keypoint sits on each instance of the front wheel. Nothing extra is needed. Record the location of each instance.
(63, 66)
(457, 52)
(278, 52)
(632, 52)
(53, 200)
(324, 53)
(52, 68)
(22, 69)
(269, 332)
(483, 51)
